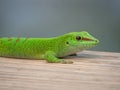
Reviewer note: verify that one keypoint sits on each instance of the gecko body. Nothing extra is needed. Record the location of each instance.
(50, 49)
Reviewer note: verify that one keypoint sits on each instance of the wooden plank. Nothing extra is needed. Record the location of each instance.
(91, 70)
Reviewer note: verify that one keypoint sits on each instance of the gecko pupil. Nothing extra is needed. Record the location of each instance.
(78, 38)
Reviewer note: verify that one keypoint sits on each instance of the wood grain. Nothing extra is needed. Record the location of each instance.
(92, 70)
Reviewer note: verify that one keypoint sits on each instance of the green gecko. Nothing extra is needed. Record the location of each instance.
(49, 49)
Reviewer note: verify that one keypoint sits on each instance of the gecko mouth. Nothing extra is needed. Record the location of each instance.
(89, 44)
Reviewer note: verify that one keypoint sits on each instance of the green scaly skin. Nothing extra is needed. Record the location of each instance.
(49, 49)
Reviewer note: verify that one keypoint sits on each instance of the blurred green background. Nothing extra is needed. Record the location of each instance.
(48, 18)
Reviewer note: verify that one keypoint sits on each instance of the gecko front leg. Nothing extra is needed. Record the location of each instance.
(50, 56)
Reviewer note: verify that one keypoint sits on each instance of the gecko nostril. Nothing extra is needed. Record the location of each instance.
(97, 41)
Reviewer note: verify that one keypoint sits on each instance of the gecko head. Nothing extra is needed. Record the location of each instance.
(80, 40)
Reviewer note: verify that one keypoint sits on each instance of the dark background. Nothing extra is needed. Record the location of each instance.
(47, 18)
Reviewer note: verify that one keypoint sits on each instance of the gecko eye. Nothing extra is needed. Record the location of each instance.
(78, 38)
